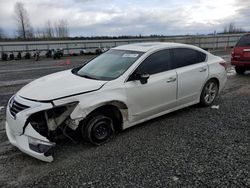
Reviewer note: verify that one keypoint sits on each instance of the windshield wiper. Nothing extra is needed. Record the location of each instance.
(86, 76)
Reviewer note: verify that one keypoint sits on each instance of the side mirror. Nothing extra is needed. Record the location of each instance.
(142, 77)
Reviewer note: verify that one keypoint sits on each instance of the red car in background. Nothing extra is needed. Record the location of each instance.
(241, 54)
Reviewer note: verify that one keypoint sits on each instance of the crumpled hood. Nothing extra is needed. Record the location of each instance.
(58, 85)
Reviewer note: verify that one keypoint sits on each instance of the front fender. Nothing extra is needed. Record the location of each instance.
(91, 101)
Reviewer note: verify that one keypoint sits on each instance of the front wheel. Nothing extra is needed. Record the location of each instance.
(98, 129)
(209, 93)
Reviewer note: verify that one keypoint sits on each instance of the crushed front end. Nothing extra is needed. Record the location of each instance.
(33, 126)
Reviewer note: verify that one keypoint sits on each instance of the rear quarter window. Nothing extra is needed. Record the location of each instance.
(244, 41)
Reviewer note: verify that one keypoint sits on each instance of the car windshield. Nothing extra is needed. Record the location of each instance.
(109, 65)
(244, 41)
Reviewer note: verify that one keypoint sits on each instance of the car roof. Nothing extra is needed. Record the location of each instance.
(145, 47)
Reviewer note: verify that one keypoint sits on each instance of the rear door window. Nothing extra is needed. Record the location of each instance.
(185, 56)
(244, 41)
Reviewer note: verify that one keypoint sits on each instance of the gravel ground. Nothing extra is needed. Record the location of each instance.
(193, 147)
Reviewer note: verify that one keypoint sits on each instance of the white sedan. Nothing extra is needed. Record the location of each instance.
(123, 87)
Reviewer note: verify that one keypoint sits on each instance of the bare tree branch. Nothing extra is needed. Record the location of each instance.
(24, 29)
(40, 33)
(49, 30)
(61, 29)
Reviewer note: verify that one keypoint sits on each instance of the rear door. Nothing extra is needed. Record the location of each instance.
(192, 72)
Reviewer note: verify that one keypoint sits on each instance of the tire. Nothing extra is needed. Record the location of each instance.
(240, 70)
(98, 129)
(209, 93)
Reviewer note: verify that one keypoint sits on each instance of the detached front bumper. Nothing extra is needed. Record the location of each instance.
(22, 135)
(34, 147)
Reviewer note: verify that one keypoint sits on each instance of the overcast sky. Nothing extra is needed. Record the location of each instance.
(131, 17)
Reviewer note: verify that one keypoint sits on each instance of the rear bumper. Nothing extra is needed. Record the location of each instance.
(240, 63)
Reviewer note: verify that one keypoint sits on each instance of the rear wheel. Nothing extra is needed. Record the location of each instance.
(240, 70)
(98, 129)
(209, 92)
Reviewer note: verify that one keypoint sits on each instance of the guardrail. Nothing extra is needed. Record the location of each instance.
(203, 41)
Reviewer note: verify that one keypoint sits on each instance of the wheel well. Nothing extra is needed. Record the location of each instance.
(217, 81)
(113, 112)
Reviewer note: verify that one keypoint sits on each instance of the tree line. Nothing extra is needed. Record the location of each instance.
(232, 28)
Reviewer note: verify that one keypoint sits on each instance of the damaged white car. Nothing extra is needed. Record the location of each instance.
(123, 87)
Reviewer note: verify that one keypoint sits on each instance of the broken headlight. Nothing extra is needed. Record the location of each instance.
(47, 121)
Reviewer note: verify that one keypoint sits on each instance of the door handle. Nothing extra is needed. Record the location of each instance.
(171, 79)
(204, 69)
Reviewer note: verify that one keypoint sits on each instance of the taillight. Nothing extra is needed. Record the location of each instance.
(224, 64)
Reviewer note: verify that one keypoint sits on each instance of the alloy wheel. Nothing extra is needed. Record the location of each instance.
(210, 92)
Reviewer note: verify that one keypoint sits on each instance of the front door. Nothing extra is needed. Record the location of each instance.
(159, 93)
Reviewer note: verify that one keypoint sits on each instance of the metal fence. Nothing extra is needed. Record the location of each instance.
(74, 46)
